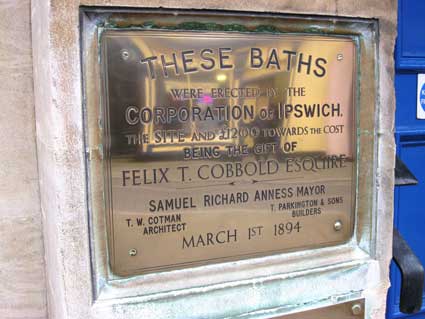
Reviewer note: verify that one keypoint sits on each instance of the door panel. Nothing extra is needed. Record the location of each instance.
(410, 43)
(409, 209)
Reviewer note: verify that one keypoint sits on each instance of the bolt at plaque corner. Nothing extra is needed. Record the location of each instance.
(338, 225)
(125, 55)
(132, 252)
(356, 309)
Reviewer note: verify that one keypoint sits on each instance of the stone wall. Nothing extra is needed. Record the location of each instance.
(64, 197)
(22, 280)
(62, 210)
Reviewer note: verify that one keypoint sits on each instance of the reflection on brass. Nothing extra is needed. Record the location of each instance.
(223, 146)
(346, 310)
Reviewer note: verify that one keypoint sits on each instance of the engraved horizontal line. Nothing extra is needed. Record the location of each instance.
(207, 186)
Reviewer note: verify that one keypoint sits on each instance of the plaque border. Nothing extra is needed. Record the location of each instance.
(358, 250)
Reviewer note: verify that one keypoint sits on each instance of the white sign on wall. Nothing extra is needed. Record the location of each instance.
(420, 105)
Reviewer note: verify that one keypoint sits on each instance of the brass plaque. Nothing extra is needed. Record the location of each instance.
(223, 146)
(347, 310)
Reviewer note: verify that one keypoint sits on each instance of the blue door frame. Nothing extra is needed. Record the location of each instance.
(409, 208)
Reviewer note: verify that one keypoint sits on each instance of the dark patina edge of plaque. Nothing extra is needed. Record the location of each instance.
(355, 36)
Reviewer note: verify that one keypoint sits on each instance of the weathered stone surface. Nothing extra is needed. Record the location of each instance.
(22, 280)
(62, 170)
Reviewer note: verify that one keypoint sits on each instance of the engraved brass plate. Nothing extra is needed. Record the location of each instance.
(347, 310)
(223, 146)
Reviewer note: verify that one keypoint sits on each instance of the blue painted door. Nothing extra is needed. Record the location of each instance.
(409, 201)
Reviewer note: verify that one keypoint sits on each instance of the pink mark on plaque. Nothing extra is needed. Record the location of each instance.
(206, 99)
